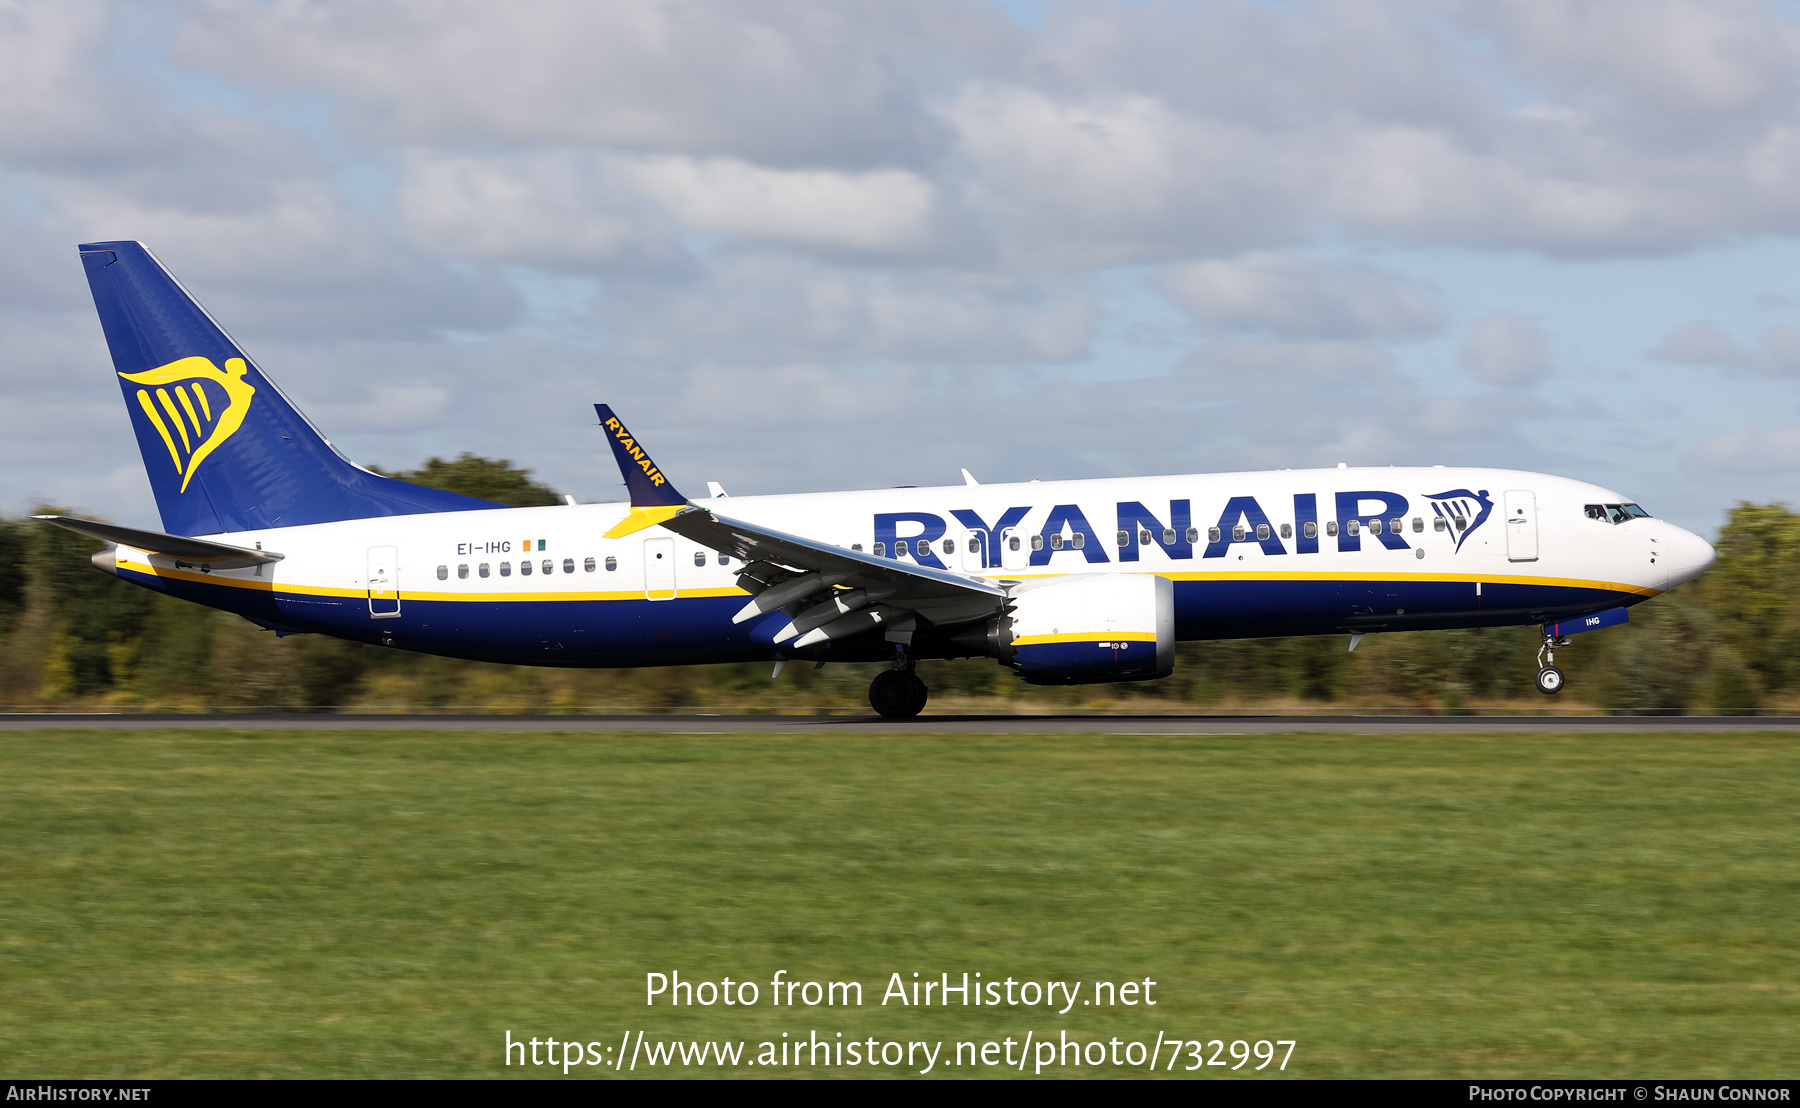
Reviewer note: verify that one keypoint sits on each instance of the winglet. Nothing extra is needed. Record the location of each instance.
(653, 498)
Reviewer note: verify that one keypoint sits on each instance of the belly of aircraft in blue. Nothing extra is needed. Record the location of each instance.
(1074, 582)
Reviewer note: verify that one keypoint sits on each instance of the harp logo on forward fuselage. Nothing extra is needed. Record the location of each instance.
(194, 406)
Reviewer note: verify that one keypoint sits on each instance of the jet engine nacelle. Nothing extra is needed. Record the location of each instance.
(1083, 630)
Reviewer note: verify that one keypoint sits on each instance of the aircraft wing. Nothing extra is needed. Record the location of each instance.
(751, 543)
(200, 552)
(828, 592)
(831, 592)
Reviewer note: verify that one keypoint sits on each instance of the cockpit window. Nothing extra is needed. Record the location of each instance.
(1614, 513)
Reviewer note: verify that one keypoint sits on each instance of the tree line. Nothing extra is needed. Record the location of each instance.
(73, 637)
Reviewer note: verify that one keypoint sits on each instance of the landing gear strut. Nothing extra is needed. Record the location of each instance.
(898, 693)
(1549, 678)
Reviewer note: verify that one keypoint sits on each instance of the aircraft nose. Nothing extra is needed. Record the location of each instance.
(1686, 556)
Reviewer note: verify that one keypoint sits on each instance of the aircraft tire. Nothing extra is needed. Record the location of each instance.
(920, 695)
(1549, 680)
(896, 695)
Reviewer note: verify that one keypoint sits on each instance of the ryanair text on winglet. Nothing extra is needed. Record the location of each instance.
(637, 455)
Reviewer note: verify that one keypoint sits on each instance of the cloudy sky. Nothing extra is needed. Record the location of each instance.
(806, 245)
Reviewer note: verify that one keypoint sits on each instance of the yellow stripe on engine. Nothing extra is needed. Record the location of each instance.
(1087, 636)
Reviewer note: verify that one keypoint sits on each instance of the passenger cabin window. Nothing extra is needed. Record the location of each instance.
(506, 569)
(1262, 531)
(549, 566)
(949, 546)
(1078, 539)
(1353, 528)
(1193, 534)
(1014, 543)
(588, 564)
(1437, 523)
(1462, 523)
(612, 563)
(1330, 526)
(1212, 534)
(525, 569)
(462, 572)
(1397, 525)
(1125, 538)
(1310, 529)
(1237, 533)
(1418, 525)
(881, 550)
(482, 569)
(443, 573)
(900, 548)
(1037, 542)
(1287, 530)
(699, 557)
(1145, 538)
(568, 565)
(856, 546)
(1374, 527)
(725, 559)
(1168, 536)
(1056, 542)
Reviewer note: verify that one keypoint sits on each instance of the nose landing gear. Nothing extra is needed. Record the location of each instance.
(1549, 678)
(898, 693)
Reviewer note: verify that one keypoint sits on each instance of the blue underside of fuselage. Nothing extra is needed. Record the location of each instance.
(688, 631)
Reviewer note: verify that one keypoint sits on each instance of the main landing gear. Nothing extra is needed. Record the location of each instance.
(898, 693)
(1549, 678)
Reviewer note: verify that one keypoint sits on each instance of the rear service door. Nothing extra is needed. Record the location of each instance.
(659, 569)
(384, 582)
(1521, 526)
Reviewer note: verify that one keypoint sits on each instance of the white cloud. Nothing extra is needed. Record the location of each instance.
(1751, 450)
(1508, 350)
(548, 208)
(778, 80)
(882, 211)
(1293, 295)
(1777, 351)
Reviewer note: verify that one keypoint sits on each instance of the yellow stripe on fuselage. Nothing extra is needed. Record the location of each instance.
(493, 597)
(255, 584)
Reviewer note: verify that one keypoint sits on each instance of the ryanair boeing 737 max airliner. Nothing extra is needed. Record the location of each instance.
(1064, 582)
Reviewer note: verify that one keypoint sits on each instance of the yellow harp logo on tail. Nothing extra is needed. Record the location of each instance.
(203, 404)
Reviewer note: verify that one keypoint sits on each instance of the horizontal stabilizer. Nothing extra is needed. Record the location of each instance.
(215, 555)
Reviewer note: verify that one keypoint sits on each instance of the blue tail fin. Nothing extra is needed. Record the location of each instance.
(224, 448)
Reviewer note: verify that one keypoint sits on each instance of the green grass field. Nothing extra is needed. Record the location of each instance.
(390, 904)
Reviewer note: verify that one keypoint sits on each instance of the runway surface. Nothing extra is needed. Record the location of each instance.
(927, 724)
